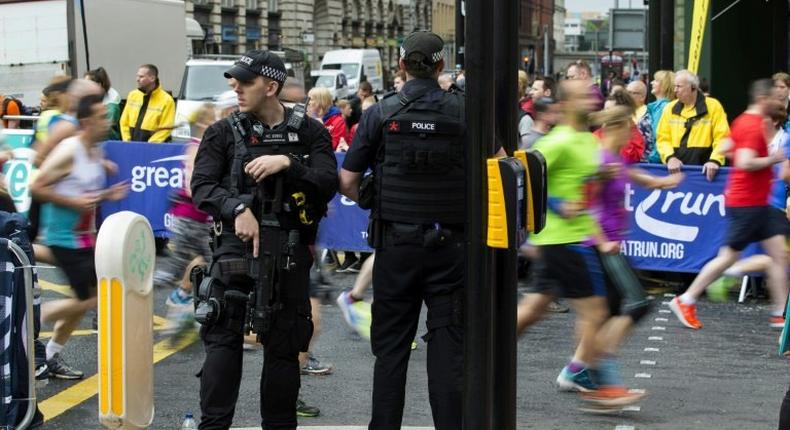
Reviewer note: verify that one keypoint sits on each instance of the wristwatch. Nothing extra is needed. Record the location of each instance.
(239, 209)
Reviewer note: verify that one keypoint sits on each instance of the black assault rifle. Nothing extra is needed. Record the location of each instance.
(275, 255)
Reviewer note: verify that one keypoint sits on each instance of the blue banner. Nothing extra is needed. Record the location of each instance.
(670, 230)
(153, 171)
(345, 226)
(677, 230)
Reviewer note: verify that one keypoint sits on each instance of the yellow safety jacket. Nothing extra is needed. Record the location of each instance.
(692, 134)
(148, 117)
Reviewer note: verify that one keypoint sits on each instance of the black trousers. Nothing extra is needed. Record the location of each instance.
(220, 376)
(784, 413)
(404, 276)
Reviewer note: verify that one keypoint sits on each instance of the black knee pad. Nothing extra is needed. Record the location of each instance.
(638, 310)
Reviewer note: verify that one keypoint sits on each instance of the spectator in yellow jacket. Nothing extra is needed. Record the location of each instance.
(692, 128)
(150, 112)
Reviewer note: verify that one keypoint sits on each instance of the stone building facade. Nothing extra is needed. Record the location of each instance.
(310, 26)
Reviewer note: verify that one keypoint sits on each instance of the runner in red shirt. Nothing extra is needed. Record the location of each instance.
(750, 217)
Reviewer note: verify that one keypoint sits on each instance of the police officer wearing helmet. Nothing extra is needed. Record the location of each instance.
(264, 144)
(414, 142)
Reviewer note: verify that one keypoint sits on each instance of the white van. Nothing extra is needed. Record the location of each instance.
(333, 80)
(358, 65)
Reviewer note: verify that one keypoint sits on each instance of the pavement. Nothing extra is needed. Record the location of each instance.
(725, 376)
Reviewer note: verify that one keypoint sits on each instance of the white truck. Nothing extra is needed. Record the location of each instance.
(40, 39)
(358, 65)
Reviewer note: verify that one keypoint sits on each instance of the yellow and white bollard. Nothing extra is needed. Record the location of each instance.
(125, 254)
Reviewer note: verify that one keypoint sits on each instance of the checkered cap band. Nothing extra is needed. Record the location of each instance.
(272, 73)
(434, 58)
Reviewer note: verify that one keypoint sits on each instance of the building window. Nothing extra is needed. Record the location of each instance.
(252, 4)
(274, 6)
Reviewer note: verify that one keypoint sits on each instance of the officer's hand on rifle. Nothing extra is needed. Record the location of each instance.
(246, 227)
(267, 165)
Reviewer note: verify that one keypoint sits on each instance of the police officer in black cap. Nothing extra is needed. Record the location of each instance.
(414, 142)
(266, 162)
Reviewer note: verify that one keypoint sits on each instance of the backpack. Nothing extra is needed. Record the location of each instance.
(23, 110)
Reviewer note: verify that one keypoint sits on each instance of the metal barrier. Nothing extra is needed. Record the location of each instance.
(25, 266)
(125, 255)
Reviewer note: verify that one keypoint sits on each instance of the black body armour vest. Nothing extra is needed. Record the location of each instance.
(421, 177)
(258, 141)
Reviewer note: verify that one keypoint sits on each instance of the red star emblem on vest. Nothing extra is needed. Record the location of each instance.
(394, 126)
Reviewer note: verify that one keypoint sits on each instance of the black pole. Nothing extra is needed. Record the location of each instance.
(667, 50)
(653, 36)
(478, 340)
(506, 59)
(459, 33)
(85, 36)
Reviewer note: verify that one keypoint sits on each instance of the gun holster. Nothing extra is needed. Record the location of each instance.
(208, 295)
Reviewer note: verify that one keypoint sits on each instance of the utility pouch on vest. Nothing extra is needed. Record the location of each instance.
(367, 192)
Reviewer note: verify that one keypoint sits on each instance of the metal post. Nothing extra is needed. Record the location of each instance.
(459, 33)
(667, 28)
(505, 271)
(478, 339)
(546, 65)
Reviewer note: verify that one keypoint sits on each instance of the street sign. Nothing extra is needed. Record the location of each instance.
(308, 37)
(627, 29)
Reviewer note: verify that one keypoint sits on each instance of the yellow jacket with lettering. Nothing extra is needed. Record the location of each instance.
(159, 114)
(692, 134)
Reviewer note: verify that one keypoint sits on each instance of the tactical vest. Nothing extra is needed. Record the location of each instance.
(253, 140)
(421, 175)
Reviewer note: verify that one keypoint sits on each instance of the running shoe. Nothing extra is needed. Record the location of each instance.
(304, 410)
(687, 314)
(314, 367)
(349, 261)
(612, 396)
(579, 381)
(776, 321)
(362, 318)
(719, 290)
(42, 375)
(176, 299)
(58, 368)
(344, 302)
(556, 307)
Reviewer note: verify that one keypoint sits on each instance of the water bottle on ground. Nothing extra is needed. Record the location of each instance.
(189, 422)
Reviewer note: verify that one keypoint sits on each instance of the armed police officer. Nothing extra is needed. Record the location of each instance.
(265, 175)
(414, 142)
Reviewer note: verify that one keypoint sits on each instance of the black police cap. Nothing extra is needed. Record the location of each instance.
(258, 63)
(423, 42)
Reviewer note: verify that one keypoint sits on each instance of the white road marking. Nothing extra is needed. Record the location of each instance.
(651, 349)
(662, 320)
(632, 408)
(658, 328)
(637, 391)
(622, 427)
(647, 362)
(643, 375)
(664, 311)
(655, 338)
(669, 295)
